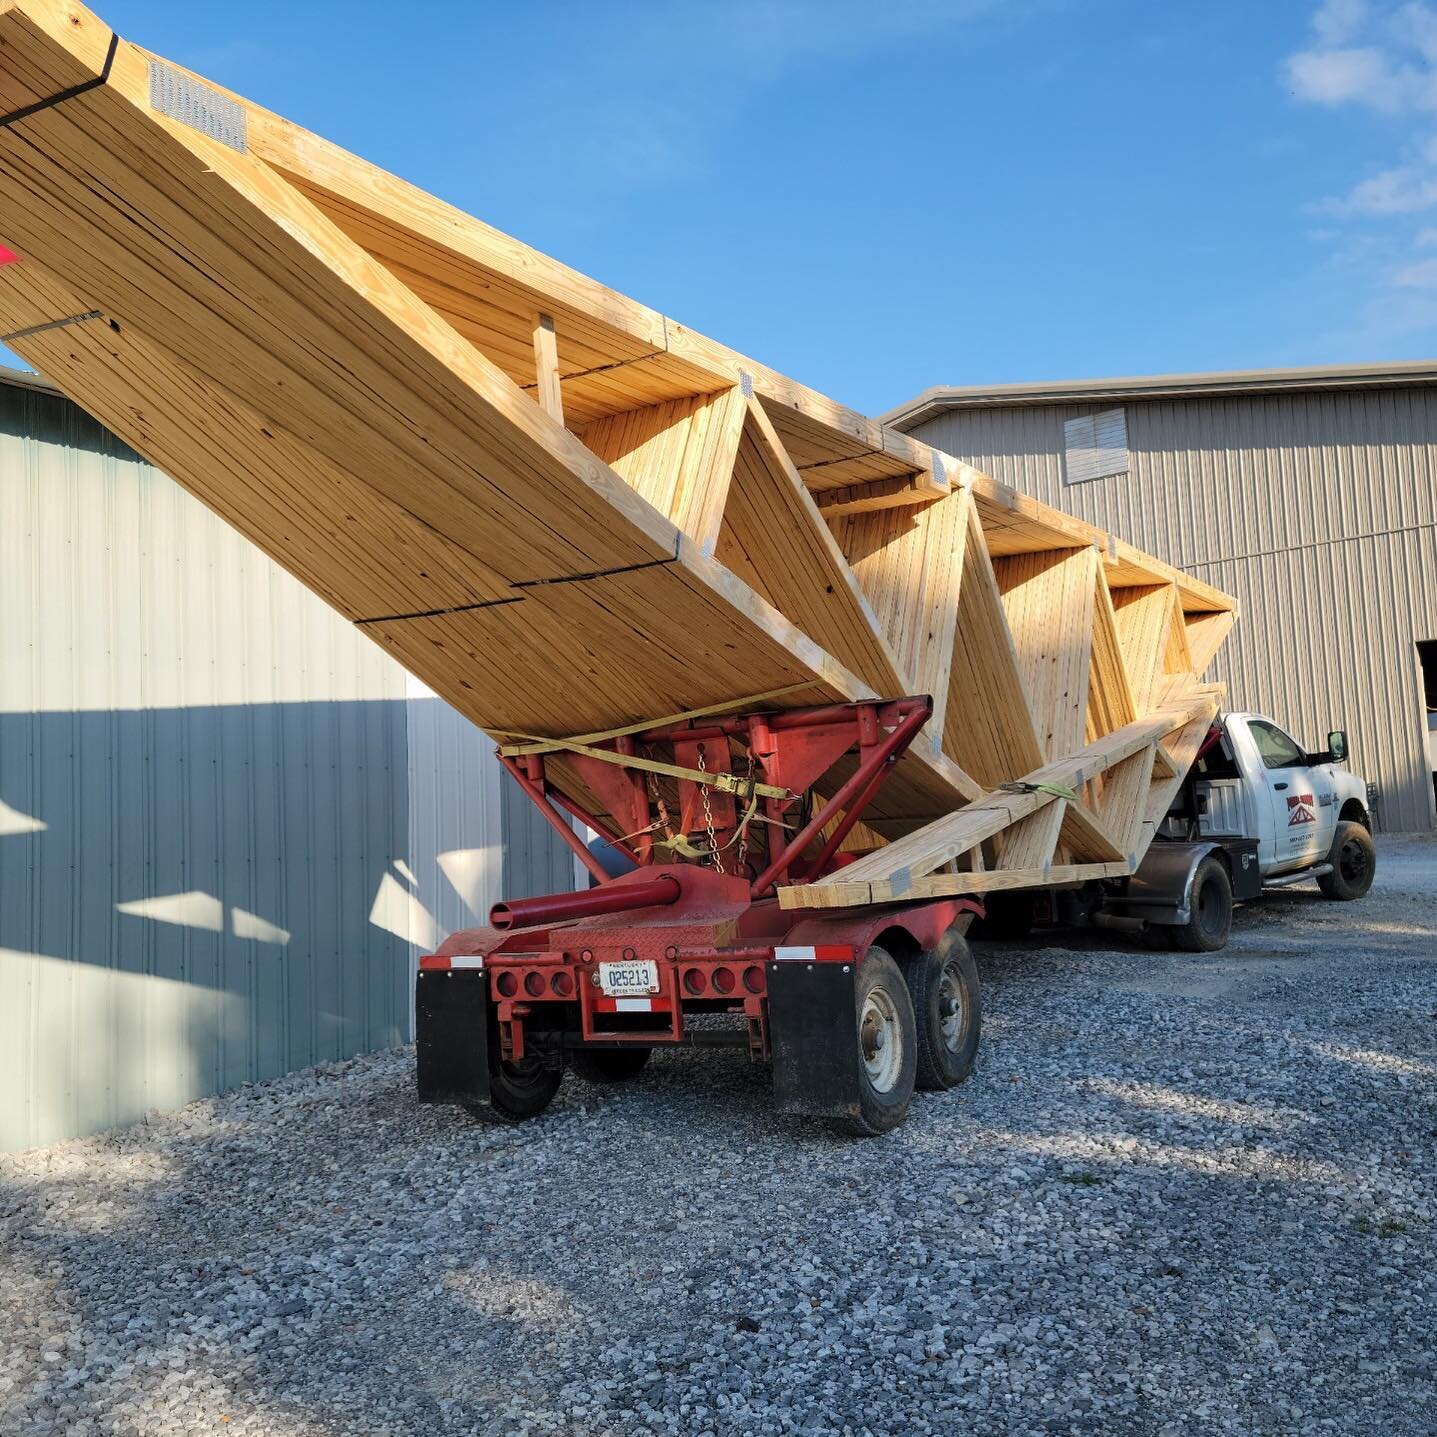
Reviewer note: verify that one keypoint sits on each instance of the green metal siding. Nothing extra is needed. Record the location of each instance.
(205, 774)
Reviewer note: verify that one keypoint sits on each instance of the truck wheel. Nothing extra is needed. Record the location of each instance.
(1354, 863)
(1207, 929)
(609, 1065)
(943, 984)
(517, 1091)
(887, 1046)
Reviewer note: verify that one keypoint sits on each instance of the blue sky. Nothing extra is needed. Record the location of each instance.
(879, 197)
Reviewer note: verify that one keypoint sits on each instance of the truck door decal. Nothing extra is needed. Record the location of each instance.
(1300, 810)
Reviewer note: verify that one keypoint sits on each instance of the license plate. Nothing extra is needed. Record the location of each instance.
(629, 979)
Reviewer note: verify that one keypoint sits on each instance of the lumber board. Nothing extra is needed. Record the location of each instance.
(1140, 617)
(909, 564)
(1205, 636)
(892, 869)
(902, 491)
(774, 537)
(433, 242)
(1048, 598)
(546, 368)
(849, 894)
(1031, 842)
(1110, 692)
(1123, 800)
(988, 726)
(679, 455)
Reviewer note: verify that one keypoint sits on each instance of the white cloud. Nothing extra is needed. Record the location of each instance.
(1403, 191)
(1422, 275)
(1382, 59)
(1335, 77)
(1337, 21)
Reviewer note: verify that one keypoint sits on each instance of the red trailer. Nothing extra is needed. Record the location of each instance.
(854, 1007)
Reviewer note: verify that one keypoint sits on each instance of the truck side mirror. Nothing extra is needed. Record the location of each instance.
(1337, 745)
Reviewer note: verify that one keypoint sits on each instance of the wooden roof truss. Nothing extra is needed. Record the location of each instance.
(561, 509)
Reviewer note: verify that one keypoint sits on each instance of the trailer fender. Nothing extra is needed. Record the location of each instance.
(912, 927)
(451, 1034)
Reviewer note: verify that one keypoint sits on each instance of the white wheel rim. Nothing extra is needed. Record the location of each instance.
(880, 1040)
(952, 1007)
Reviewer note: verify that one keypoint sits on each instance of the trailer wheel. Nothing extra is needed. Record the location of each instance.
(887, 1046)
(609, 1065)
(943, 983)
(517, 1091)
(1211, 918)
(1354, 863)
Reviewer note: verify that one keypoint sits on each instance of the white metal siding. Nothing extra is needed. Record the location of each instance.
(1318, 510)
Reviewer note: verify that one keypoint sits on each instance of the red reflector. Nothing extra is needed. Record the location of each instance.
(8, 256)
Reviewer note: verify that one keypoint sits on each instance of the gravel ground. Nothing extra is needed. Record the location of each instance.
(1180, 1194)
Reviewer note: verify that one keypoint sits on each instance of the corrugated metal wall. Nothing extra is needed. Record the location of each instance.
(210, 867)
(1319, 511)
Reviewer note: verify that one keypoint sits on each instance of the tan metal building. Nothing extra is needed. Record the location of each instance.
(1311, 494)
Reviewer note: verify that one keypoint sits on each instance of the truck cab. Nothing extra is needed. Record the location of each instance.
(1256, 811)
(1253, 779)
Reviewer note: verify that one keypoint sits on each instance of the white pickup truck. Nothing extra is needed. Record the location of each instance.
(1257, 811)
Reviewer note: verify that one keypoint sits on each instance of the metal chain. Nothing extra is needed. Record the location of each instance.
(657, 799)
(709, 816)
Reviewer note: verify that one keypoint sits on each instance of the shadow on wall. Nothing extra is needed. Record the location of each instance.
(191, 899)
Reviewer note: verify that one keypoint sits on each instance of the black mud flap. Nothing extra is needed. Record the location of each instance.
(813, 1034)
(451, 1036)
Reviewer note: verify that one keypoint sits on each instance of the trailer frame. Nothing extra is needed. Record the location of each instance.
(545, 979)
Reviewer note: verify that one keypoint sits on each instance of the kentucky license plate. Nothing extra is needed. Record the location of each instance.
(629, 979)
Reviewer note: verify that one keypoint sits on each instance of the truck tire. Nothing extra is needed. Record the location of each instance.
(887, 1040)
(1354, 863)
(1207, 929)
(609, 1065)
(943, 984)
(517, 1091)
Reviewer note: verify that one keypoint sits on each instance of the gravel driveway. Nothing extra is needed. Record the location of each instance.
(1180, 1194)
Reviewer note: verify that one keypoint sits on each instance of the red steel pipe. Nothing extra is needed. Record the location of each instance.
(553, 818)
(587, 903)
(874, 763)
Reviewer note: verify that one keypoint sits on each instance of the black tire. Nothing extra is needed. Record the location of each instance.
(517, 1091)
(882, 1022)
(943, 984)
(1354, 863)
(1207, 929)
(609, 1065)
